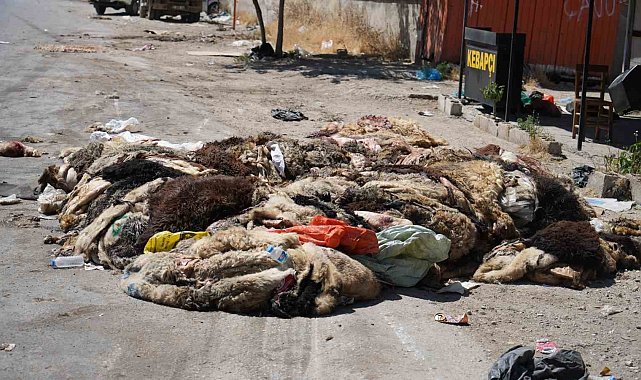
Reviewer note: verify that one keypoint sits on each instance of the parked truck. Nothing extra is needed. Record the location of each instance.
(130, 6)
(188, 10)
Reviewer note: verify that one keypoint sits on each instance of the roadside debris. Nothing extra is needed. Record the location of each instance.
(32, 139)
(423, 96)
(580, 175)
(99, 18)
(232, 54)
(428, 73)
(519, 363)
(546, 346)
(426, 113)
(245, 43)
(10, 200)
(461, 320)
(7, 347)
(359, 203)
(288, 115)
(68, 262)
(145, 47)
(51, 48)
(611, 204)
(51, 200)
(17, 149)
(460, 287)
(116, 126)
(608, 310)
(5, 42)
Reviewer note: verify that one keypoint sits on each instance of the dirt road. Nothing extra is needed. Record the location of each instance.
(78, 324)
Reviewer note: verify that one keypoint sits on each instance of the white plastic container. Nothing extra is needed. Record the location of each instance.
(277, 253)
(67, 262)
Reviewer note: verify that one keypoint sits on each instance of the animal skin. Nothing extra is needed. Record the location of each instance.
(193, 203)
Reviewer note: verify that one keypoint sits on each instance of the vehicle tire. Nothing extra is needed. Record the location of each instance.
(100, 9)
(213, 8)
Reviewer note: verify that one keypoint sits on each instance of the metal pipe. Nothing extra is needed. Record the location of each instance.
(627, 47)
(509, 75)
(584, 78)
(462, 61)
(233, 22)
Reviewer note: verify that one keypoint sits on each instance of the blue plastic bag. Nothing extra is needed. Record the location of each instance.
(428, 73)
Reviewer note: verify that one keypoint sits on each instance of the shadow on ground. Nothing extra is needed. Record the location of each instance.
(340, 69)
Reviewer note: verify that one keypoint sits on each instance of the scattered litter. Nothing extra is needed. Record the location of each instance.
(288, 115)
(426, 113)
(32, 139)
(301, 52)
(406, 254)
(580, 175)
(216, 54)
(459, 287)
(243, 43)
(4, 42)
(277, 158)
(423, 96)
(165, 241)
(113, 96)
(611, 204)
(17, 149)
(327, 44)
(546, 346)
(7, 347)
(221, 18)
(92, 266)
(68, 262)
(342, 53)
(431, 87)
(605, 371)
(600, 226)
(100, 18)
(51, 200)
(118, 126)
(145, 47)
(99, 136)
(10, 200)
(51, 48)
(520, 363)
(608, 310)
(461, 320)
(428, 73)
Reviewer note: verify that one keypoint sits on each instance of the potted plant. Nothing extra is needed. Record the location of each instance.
(493, 93)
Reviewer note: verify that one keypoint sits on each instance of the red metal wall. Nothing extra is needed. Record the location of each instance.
(555, 29)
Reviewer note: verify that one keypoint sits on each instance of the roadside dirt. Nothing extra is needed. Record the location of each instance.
(180, 98)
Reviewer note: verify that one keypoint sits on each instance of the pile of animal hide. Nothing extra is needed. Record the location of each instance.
(500, 216)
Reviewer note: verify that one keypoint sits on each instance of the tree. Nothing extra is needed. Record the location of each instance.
(259, 16)
(281, 22)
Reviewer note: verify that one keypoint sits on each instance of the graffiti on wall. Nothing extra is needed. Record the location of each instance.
(575, 9)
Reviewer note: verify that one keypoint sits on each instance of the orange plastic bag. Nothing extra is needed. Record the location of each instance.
(332, 233)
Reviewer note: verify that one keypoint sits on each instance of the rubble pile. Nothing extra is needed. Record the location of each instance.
(353, 206)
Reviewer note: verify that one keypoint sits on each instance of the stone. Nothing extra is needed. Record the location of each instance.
(478, 119)
(453, 107)
(519, 137)
(492, 128)
(441, 102)
(553, 147)
(504, 131)
(635, 187)
(610, 185)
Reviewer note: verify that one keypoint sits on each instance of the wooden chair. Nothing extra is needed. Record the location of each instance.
(599, 112)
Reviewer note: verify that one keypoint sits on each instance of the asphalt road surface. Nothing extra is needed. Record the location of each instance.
(76, 324)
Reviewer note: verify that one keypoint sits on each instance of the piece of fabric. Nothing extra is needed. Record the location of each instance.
(580, 175)
(519, 363)
(166, 241)
(406, 254)
(333, 233)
